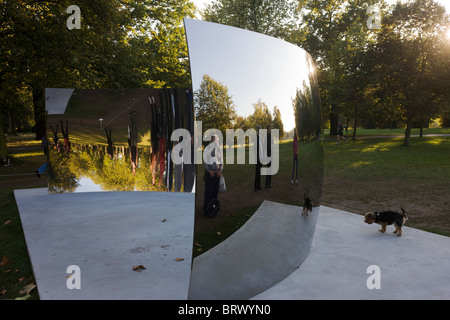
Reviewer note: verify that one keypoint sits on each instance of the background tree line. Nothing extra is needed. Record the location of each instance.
(121, 44)
(393, 76)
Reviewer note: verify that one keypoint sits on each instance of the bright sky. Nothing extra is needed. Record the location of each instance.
(251, 65)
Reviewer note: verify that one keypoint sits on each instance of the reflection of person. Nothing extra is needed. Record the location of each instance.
(162, 157)
(295, 163)
(340, 134)
(133, 141)
(41, 170)
(269, 154)
(213, 170)
(56, 138)
(65, 134)
(109, 148)
(179, 169)
(258, 160)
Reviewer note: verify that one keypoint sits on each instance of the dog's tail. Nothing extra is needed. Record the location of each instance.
(404, 214)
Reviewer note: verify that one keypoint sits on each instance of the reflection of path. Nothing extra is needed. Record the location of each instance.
(272, 244)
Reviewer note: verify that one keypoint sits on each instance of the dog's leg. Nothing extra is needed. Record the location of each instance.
(398, 230)
(383, 227)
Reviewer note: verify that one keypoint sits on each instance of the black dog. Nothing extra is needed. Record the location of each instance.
(385, 218)
(307, 205)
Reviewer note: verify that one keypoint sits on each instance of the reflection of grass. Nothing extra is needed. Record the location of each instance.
(211, 237)
(240, 200)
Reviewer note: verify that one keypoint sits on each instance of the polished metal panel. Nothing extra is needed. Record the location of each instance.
(246, 80)
(117, 140)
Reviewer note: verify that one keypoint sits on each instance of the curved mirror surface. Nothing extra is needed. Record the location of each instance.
(259, 159)
(117, 140)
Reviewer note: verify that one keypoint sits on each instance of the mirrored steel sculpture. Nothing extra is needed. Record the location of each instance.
(259, 97)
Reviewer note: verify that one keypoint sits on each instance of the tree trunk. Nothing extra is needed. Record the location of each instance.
(39, 111)
(355, 123)
(3, 148)
(334, 120)
(408, 131)
(12, 126)
(421, 128)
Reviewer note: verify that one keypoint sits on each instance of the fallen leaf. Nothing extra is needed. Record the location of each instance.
(139, 268)
(27, 289)
(20, 280)
(8, 221)
(163, 220)
(197, 244)
(218, 233)
(5, 261)
(179, 259)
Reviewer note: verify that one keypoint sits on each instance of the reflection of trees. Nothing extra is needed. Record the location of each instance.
(307, 106)
(63, 179)
(307, 112)
(213, 105)
(111, 173)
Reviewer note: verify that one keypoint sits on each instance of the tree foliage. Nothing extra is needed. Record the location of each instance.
(214, 105)
(121, 44)
(411, 62)
(276, 18)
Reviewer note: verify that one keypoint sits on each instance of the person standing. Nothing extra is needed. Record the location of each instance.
(133, 142)
(269, 154)
(295, 162)
(340, 134)
(258, 160)
(213, 170)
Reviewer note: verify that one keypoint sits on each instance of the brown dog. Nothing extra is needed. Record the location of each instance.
(385, 218)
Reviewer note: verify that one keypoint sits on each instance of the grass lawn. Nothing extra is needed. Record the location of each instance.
(15, 267)
(359, 176)
(380, 173)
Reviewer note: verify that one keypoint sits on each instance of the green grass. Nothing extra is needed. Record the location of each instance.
(380, 173)
(16, 271)
(391, 132)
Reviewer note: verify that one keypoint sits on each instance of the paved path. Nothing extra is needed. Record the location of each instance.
(414, 266)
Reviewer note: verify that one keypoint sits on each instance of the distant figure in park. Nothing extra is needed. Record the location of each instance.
(269, 154)
(213, 169)
(65, 134)
(340, 134)
(109, 148)
(295, 162)
(133, 141)
(259, 154)
(41, 170)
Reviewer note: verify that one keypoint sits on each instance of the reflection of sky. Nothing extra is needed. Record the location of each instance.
(253, 66)
(87, 185)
